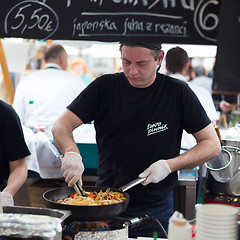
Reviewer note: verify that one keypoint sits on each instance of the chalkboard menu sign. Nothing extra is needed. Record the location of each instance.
(169, 21)
(227, 68)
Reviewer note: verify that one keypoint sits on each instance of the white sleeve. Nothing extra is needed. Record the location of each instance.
(206, 100)
(209, 107)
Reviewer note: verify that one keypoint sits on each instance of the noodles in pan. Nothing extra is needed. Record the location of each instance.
(94, 198)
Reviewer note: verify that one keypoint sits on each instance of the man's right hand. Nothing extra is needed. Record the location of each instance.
(72, 168)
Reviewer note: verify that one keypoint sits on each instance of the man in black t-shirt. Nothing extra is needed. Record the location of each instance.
(139, 116)
(13, 150)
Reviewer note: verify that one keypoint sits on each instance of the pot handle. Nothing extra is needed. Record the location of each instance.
(132, 184)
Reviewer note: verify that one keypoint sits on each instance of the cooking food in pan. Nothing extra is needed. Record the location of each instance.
(94, 198)
(90, 212)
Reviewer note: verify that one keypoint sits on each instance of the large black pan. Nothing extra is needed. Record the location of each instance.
(89, 213)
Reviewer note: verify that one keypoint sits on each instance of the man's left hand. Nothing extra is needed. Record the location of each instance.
(156, 172)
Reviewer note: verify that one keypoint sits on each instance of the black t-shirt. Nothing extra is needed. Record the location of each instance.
(138, 126)
(12, 143)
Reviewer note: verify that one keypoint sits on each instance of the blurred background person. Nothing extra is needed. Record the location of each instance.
(189, 75)
(224, 104)
(201, 78)
(177, 63)
(42, 96)
(13, 151)
(79, 67)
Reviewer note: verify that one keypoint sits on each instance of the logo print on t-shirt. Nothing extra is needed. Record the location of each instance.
(156, 128)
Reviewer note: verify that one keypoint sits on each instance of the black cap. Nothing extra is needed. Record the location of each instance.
(153, 46)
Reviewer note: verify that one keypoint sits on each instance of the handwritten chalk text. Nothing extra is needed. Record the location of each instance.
(149, 4)
(171, 29)
(82, 27)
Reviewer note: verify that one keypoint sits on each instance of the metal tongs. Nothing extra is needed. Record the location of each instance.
(77, 187)
(79, 190)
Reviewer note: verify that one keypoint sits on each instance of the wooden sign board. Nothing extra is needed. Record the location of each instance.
(167, 21)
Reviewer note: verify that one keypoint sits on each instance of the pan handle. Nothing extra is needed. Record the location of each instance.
(132, 184)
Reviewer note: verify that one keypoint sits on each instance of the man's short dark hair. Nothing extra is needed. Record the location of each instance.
(155, 47)
(53, 51)
(176, 59)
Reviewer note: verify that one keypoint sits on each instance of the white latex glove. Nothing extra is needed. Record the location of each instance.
(72, 168)
(7, 199)
(156, 172)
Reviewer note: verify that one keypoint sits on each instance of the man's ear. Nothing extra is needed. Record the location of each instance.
(62, 62)
(160, 57)
(60, 59)
(186, 67)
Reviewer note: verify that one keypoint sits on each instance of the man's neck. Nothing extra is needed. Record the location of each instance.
(179, 76)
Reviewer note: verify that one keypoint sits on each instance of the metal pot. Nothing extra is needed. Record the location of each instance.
(231, 186)
(233, 146)
(216, 187)
(220, 167)
(106, 235)
(110, 229)
(119, 231)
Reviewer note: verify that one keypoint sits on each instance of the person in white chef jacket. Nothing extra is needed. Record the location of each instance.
(40, 98)
(51, 89)
(177, 63)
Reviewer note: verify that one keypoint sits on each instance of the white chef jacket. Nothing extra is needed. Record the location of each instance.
(205, 98)
(51, 90)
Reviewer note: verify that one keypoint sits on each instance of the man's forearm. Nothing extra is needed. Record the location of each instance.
(207, 148)
(63, 140)
(62, 132)
(196, 156)
(16, 179)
